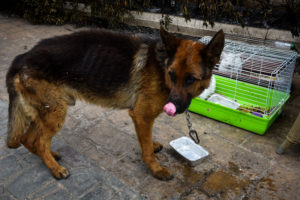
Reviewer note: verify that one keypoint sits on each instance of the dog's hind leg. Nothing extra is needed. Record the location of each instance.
(38, 140)
(49, 104)
(50, 124)
(39, 135)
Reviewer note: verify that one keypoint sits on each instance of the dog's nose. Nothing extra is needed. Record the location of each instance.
(180, 104)
(180, 108)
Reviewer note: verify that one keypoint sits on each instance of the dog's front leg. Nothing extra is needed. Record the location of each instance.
(143, 120)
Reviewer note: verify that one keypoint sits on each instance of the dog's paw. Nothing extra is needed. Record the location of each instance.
(60, 173)
(163, 174)
(56, 155)
(13, 144)
(157, 147)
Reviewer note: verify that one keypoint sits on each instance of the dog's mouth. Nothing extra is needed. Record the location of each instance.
(176, 106)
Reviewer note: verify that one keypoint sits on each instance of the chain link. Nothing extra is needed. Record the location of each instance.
(192, 132)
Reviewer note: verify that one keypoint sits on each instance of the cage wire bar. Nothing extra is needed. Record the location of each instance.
(255, 74)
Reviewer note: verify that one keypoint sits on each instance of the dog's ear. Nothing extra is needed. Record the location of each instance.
(212, 52)
(170, 41)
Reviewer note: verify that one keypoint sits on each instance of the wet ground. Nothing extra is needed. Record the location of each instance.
(99, 147)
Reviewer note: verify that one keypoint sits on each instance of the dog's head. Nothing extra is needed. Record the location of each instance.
(189, 66)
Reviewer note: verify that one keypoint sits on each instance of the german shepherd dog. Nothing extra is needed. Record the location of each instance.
(110, 69)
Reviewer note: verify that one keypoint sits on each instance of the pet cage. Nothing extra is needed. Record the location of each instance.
(253, 82)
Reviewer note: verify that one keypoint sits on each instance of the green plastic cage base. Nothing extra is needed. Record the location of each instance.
(238, 118)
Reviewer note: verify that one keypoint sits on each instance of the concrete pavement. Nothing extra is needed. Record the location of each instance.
(100, 148)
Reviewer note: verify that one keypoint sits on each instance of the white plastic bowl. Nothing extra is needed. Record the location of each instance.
(189, 150)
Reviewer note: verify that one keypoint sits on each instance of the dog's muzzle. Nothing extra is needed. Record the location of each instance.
(177, 106)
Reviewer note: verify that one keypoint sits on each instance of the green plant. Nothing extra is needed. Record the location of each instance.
(110, 13)
(293, 10)
(165, 21)
(214, 10)
(48, 11)
(55, 12)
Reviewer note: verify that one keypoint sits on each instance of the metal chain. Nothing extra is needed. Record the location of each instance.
(192, 132)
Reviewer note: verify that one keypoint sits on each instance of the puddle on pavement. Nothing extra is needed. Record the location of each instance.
(186, 174)
(234, 167)
(267, 183)
(220, 182)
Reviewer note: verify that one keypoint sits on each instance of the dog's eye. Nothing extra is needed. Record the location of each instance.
(189, 80)
(172, 76)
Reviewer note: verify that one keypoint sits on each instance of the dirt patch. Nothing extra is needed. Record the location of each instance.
(267, 183)
(234, 167)
(183, 170)
(221, 182)
(188, 175)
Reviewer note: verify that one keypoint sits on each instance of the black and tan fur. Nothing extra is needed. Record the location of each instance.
(109, 69)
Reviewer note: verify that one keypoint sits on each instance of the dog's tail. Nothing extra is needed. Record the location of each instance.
(17, 119)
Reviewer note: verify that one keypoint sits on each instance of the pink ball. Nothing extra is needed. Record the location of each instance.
(170, 109)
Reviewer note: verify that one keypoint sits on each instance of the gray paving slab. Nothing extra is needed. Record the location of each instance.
(84, 179)
(1, 189)
(73, 159)
(8, 166)
(46, 190)
(3, 130)
(29, 181)
(5, 197)
(59, 195)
